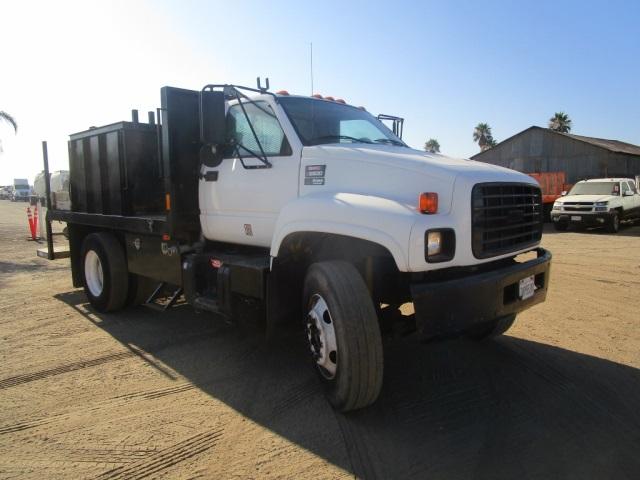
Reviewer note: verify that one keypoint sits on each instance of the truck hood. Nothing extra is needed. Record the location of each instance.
(587, 198)
(399, 173)
(416, 161)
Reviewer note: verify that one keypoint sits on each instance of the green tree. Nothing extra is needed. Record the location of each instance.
(9, 119)
(483, 136)
(560, 122)
(432, 145)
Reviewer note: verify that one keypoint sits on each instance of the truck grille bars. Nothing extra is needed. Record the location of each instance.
(505, 217)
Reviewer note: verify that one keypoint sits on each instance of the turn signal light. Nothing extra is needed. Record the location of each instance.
(316, 95)
(167, 201)
(331, 99)
(282, 92)
(428, 202)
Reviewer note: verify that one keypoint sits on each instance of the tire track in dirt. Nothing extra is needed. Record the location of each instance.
(362, 465)
(295, 396)
(120, 400)
(165, 458)
(71, 367)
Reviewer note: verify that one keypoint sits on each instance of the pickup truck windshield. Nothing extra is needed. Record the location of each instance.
(322, 122)
(596, 188)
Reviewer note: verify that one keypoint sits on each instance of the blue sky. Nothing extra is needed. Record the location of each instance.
(443, 66)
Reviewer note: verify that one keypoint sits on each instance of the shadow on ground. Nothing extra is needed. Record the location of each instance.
(509, 408)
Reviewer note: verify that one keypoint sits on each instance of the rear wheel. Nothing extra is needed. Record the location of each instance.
(343, 334)
(105, 275)
(140, 289)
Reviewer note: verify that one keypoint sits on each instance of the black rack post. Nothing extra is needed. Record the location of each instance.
(47, 200)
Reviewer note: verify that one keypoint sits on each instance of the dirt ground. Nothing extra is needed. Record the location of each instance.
(140, 394)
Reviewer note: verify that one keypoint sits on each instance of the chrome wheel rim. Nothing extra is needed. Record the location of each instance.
(322, 337)
(93, 273)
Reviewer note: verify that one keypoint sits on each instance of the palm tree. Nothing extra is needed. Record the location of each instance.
(9, 119)
(560, 122)
(482, 135)
(432, 145)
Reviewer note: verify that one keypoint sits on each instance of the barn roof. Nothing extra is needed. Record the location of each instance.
(614, 146)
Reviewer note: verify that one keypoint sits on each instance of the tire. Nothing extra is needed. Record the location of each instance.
(614, 224)
(494, 328)
(343, 334)
(104, 272)
(560, 226)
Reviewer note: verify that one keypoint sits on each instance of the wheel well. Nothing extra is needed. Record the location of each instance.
(373, 261)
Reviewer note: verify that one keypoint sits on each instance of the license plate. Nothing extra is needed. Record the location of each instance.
(527, 287)
(576, 218)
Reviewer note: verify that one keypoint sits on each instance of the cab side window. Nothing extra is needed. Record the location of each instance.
(625, 187)
(266, 127)
(632, 187)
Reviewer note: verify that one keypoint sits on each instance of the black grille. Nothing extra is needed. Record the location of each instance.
(505, 217)
(578, 206)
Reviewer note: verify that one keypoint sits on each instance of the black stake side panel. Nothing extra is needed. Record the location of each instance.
(114, 170)
(180, 154)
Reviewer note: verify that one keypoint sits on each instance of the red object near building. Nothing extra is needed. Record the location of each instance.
(552, 185)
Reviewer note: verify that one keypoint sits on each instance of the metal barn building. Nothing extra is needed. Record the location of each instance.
(539, 149)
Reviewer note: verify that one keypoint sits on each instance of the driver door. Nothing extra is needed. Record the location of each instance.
(240, 199)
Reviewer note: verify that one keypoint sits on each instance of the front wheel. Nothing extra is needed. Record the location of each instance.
(343, 334)
(614, 223)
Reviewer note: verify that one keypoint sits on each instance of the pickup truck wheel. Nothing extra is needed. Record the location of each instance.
(494, 328)
(561, 226)
(614, 223)
(343, 334)
(104, 271)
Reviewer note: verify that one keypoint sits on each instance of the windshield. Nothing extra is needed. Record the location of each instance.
(320, 122)
(595, 188)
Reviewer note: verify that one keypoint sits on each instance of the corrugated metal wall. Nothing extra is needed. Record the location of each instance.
(538, 150)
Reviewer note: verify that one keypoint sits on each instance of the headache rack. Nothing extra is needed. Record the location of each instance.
(506, 217)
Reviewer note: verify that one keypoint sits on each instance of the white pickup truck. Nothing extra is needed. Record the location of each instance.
(305, 208)
(600, 202)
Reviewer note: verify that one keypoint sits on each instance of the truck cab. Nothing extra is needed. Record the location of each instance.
(599, 202)
(302, 209)
(21, 190)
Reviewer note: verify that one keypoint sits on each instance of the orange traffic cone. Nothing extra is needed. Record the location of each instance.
(32, 224)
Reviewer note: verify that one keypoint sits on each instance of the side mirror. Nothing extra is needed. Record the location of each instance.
(563, 193)
(628, 193)
(212, 127)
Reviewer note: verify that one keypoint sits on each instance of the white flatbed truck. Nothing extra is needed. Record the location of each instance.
(307, 209)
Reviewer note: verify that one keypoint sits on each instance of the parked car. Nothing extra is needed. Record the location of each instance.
(600, 202)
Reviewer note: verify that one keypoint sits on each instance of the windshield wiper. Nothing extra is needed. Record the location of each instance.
(340, 137)
(389, 140)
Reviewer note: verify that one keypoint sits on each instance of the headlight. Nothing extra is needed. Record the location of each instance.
(440, 245)
(557, 205)
(602, 206)
(434, 243)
